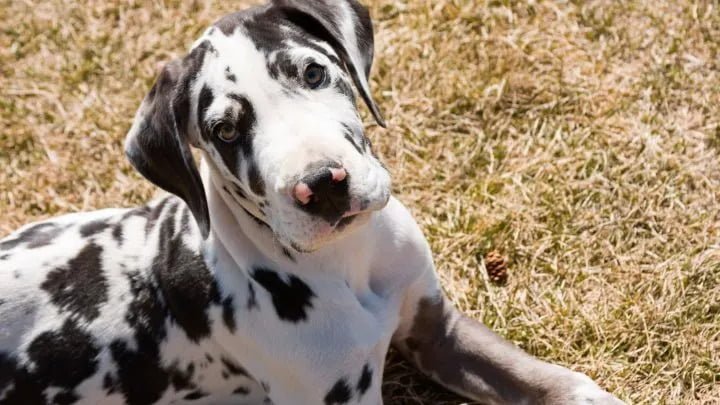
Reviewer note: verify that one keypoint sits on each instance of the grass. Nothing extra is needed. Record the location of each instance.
(579, 139)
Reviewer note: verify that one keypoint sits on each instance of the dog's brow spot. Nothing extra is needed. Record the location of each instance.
(79, 287)
(291, 298)
(339, 393)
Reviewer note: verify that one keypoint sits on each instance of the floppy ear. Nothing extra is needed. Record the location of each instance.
(346, 26)
(157, 144)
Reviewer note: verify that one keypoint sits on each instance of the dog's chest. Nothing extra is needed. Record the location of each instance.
(306, 336)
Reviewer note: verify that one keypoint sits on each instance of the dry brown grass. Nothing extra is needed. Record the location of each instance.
(581, 139)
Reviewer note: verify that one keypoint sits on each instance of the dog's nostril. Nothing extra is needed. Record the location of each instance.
(338, 174)
(302, 193)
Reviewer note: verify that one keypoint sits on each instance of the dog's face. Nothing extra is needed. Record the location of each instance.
(267, 96)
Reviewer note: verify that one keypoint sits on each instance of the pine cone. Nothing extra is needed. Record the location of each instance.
(496, 266)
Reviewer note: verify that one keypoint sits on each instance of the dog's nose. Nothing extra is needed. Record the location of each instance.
(324, 192)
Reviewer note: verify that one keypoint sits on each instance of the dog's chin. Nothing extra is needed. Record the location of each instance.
(327, 234)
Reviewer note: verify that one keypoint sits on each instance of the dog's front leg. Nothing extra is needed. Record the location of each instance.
(471, 360)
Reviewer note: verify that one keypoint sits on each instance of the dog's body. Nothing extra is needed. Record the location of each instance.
(309, 272)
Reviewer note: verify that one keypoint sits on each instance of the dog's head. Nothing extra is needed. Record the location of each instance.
(267, 96)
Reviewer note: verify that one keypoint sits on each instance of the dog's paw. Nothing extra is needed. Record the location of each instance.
(581, 390)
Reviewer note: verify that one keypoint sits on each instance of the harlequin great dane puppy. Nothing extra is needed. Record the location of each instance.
(280, 272)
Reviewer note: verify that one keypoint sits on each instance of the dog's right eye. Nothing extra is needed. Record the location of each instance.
(226, 132)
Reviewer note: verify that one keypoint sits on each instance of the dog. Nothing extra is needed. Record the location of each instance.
(279, 271)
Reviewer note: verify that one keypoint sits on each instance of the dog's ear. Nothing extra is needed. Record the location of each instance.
(346, 26)
(157, 144)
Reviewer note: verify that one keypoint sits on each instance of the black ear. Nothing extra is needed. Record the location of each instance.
(157, 144)
(346, 26)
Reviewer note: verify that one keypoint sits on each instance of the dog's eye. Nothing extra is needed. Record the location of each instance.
(226, 132)
(314, 75)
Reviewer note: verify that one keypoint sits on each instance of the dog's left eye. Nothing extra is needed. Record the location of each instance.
(226, 132)
(314, 75)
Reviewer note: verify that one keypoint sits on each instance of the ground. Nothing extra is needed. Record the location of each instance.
(580, 140)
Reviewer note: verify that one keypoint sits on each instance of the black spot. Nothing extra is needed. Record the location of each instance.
(228, 313)
(257, 184)
(291, 298)
(241, 391)
(182, 380)
(365, 380)
(209, 358)
(339, 393)
(287, 254)
(4, 257)
(64, 358)
(233, 368)
(186, 284)
(353, 143)
(65, 398)
(229, 75)
(252, 298)
(79, 287)
(211, 31)
(35, 236)
(240, 192)
(142, 379)
(109, 384)
(197, 394)
(257, 220)
(153, 214)
(93, 228)
(117, 233)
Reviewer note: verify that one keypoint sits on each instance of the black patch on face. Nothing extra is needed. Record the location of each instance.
(232, 368)
(291, 298)
(244, 123)
(228, 313)
(230, 75)
(35, 236)
(365, 380)
(186, 284)
(93, 228)
(205, 100)
(241, 391)
(79, 287)
(339, 393)
(197, 394)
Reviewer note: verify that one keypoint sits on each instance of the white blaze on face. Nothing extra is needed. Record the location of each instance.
(294, 127)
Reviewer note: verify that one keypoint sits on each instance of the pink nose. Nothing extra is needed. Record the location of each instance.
(303, 190)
